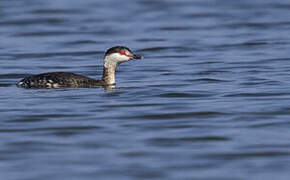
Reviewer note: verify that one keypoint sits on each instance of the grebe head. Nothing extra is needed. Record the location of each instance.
(119, 54)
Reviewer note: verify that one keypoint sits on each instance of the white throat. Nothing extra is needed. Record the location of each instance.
(113, 60)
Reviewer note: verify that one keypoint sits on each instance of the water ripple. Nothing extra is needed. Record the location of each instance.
(210, 97)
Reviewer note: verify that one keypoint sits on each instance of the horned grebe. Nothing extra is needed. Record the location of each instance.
(113, 57)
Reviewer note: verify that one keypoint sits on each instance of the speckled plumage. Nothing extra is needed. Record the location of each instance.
(113, 57)
(58, 80)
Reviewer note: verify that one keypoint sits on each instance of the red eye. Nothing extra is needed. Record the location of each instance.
(122, 52)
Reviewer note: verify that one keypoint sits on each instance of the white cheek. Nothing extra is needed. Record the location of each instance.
(115, 59)
(118, 57)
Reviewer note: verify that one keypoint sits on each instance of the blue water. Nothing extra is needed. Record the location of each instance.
(210, 100)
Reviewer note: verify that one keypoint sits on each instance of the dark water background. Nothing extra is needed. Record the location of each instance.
(210, 101)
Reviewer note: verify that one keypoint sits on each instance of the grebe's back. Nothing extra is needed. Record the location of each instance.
(58, 80)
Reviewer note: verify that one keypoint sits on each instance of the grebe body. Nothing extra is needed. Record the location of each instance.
(113, 57)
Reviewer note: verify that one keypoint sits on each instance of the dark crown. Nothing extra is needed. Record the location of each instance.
(116, 49)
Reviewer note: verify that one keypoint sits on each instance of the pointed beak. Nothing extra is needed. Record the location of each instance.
(136, 57)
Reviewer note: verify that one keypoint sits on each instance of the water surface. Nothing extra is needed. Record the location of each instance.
(209, 101)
